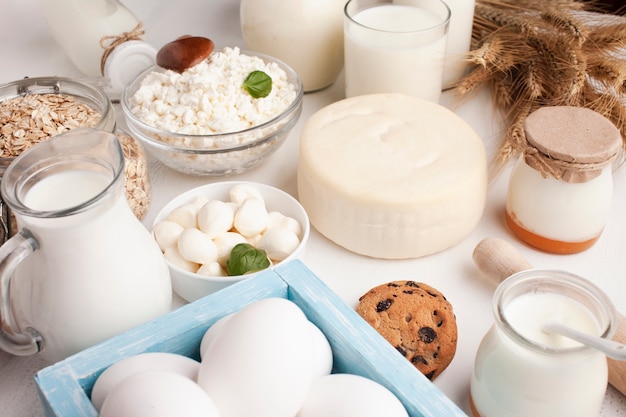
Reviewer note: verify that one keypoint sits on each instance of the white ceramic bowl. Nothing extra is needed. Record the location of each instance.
(192, 286)
(227, 153)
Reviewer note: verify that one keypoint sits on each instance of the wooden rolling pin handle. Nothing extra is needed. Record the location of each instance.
(497, 259)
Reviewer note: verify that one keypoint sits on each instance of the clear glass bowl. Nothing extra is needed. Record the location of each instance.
(226, 153)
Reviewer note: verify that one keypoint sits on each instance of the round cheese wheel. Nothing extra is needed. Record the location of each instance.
(391, 176)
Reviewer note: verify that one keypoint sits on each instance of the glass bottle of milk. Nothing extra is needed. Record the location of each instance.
(86, 29)
(521, 370)
(305, 34)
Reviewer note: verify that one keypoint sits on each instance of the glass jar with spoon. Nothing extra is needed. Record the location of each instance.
(523, 367)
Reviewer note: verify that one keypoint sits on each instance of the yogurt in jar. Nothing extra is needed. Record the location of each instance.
(560, 192)
(521, 370)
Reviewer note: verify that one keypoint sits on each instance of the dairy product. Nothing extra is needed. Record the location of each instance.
(208, 98)
(560, 192)
(95, 274)
(306, 34)
(80, 25)
(391, 176)
(512, 381)
(395, 48)
(534, 202)
(459, 40)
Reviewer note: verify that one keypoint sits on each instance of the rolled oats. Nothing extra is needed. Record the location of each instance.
(137, 182)
(27, 120)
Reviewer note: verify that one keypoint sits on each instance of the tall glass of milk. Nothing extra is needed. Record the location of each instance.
(459, 41)
(521, 370)
(82, 268)
(395, 47)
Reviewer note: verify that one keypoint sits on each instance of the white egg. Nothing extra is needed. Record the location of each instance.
(158, 394)
(346, 395)
(150, 361)
(212, 333)
(260, 365)
(322, 352)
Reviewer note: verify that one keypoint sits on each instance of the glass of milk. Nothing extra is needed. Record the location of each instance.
(395, 47)
(521, 370)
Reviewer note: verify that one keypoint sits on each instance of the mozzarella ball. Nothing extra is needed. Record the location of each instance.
(278, 243)
(212, 269)
(173, 256)
(197, 247)
(251, 218)
(166, 233)
(240, 192)
(278, 219)
(225, 244)
(184, 215)
(215, 217)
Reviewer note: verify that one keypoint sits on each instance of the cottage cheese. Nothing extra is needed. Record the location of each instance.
(208, 98)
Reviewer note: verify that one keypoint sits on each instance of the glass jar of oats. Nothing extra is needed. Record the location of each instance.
(36, 109)
(560, 191)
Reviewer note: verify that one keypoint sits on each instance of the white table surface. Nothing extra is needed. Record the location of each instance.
(27, 49)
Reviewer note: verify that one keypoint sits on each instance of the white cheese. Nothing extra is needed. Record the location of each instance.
(208, 98)
(391, 176)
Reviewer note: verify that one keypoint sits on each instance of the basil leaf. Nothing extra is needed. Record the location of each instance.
(258, 84)
(245, 258)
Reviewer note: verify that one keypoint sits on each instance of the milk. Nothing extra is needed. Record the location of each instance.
(96, 273)
(306, 34)
(64, 190)
(78, 26)
(512, 381)
(459, 40)
(394, 48)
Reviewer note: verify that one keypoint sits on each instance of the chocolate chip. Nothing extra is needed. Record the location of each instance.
(431, 374)
(401, 350)
(383, 305)
(419, 359)
(440, 322)
(427, 334)
(412, 284)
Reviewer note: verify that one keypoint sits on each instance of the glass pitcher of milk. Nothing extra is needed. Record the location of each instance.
(521, 370)
(82, 267)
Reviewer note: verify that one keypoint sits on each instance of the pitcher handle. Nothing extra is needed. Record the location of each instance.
(12, 338)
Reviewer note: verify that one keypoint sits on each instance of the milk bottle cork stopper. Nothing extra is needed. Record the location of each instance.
(570, 143)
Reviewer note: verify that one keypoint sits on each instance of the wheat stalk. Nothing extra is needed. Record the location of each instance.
(535, 53)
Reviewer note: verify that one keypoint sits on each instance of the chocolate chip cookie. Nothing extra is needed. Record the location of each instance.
(416, 319)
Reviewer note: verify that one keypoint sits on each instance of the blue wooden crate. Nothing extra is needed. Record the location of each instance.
(65, 387)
